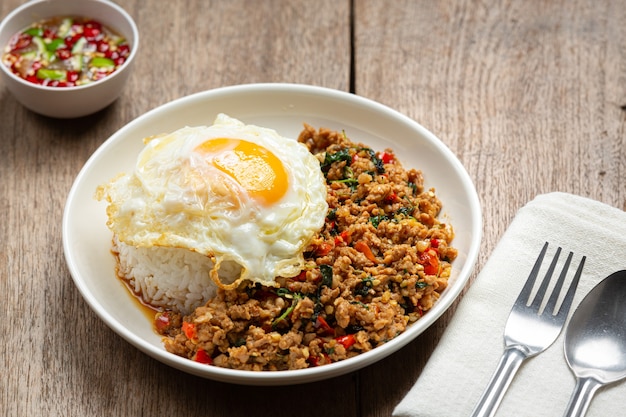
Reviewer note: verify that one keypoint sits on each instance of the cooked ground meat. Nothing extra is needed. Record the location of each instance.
(380, 262)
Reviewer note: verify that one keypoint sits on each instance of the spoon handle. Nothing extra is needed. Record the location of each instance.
(500, 381)
(581, 397)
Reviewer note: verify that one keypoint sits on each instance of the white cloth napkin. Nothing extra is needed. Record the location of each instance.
(468, 352)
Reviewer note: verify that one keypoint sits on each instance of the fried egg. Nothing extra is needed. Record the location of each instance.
(242, 195)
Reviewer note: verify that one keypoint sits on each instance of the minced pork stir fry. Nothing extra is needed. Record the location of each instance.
(379, 264)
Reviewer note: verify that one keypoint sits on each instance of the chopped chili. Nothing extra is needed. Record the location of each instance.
(190, 330)
(323, 328)
(343, 237)
(363, 247)
(430, 260)
(387, 158)
(162, 321)
(346, 341)
(203, 357)
(319, 360)
(392, 198)
(324, 249)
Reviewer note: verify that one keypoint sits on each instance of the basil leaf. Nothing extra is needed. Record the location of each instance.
(327, 275)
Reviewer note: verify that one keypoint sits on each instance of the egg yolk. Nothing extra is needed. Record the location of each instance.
(254, 167)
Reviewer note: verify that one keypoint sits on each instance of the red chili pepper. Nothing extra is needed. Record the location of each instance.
(36, 65)
(387, 158)
(92, 30)
(119, 61)
(392, 198)
(123, 50)
(72, 76)
(317, 360)
(346, 341)
(71, 40)
(102, 46)
(362, 247)
(111, 54)
(324, 249)
(162, 321)
(190, 330)
(430, 261)
(323, 327)
(22, 41)
(55, 83)
(93, 24)
(301, 277)
(203, 357)
(33, 79)
(313, 361)
(49, 33)
(63, 53)
(343, 237)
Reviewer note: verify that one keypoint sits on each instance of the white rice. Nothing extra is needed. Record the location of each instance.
(172, 278)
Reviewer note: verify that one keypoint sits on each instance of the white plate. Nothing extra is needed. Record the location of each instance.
(284, 107)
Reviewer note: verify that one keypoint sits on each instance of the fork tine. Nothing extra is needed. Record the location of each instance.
(556, 291)
(569, 297)
(536, 303)
(524, 294)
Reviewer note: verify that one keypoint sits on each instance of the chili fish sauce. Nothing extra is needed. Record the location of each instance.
(65, 52)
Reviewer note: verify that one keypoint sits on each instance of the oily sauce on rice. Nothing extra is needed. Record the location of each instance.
(379, 263)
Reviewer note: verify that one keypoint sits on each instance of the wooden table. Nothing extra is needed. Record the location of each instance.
(531, 96)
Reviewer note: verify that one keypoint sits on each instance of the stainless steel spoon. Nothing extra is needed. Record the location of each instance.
(595, 341)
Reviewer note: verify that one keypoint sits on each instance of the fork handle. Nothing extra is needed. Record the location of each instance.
(509, 363)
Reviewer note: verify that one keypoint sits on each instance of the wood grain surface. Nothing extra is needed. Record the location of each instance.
(530, 95)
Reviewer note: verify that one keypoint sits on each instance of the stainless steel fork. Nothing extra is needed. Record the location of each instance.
(529, 329)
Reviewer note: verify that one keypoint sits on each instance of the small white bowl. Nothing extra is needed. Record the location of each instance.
(69, 102)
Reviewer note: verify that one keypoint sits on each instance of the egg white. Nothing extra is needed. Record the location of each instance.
(175, 198)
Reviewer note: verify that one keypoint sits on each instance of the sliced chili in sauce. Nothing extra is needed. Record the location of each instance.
(65, 52)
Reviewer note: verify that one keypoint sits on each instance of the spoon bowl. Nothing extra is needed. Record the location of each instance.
(595, 341)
